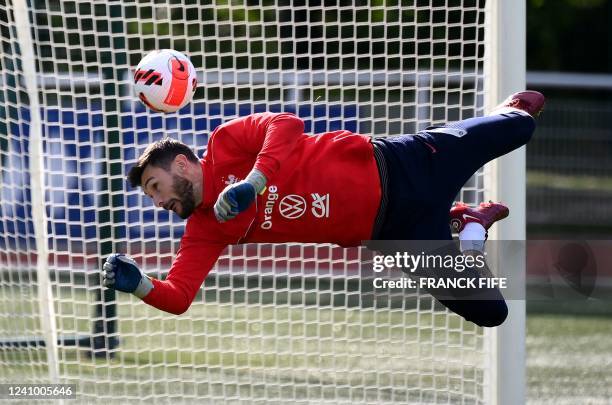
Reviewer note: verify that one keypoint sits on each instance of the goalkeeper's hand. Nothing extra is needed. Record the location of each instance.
(122, 273)
(237, 197)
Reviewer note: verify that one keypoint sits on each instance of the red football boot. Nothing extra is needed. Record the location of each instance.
(532, 102)
(486, 214)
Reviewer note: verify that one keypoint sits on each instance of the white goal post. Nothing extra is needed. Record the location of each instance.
(272, 323)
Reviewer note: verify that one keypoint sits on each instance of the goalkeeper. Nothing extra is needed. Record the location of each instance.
(263, 180)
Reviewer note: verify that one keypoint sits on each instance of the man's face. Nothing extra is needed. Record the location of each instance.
(169, 190)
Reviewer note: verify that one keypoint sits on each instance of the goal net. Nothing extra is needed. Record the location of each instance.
(272, 323)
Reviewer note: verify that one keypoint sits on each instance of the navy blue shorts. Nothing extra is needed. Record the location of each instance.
(425, 172)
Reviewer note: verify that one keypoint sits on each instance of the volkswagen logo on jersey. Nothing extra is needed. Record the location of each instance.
(292, 206)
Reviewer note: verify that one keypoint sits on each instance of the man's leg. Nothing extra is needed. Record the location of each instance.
(426, 171)
(459, 149)
(484, 306)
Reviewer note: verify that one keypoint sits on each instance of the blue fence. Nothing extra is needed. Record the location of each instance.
(76, 147)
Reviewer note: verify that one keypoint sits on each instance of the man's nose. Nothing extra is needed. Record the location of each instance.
(159, 202)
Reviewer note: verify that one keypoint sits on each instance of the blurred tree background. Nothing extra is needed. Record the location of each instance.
(569, 170)
(569, 35)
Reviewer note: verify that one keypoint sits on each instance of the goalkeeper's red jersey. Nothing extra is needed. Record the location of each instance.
(323, 188)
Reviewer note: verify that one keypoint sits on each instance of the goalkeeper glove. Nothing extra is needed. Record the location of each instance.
(237, 197)
(121, 272)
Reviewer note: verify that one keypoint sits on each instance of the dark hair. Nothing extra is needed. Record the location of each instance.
(159, 154)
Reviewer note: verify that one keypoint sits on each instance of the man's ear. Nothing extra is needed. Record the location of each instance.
(180, 163)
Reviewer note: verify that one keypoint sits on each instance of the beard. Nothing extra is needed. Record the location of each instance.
(184, 188)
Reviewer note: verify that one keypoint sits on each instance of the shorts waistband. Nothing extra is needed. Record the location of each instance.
(381, 163)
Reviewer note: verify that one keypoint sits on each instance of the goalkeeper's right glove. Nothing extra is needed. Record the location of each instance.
(121, 273)
(238, 197)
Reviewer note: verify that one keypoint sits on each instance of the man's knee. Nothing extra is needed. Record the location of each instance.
(521, 127)
(485, 313)
(515, 126)
(490, 313)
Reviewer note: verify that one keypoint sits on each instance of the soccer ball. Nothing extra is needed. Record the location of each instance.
(165, 80)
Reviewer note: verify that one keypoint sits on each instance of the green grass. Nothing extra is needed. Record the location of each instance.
(279, 350)
(285, 351)
(569, 358)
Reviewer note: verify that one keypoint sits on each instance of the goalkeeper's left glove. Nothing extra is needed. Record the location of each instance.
(121, 272)
(237, 197)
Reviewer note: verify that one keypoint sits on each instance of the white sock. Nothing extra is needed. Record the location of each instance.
(472, 237)
(506, 110)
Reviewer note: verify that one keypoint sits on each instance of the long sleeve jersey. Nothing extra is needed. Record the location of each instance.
(321, 188)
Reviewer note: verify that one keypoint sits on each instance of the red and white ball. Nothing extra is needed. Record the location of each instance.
(165, 80)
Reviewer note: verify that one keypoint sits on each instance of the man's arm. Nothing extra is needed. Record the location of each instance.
(272, 138)
(175, 294)
(192, 264)
(268, 136)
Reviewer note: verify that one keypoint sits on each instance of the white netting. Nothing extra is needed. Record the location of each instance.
(273, 323)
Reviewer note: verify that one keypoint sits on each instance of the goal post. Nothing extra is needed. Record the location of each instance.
(37, 191)
(505, 65)
(272, 323)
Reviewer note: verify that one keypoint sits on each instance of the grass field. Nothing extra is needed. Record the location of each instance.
(241, 352)
(569, 358)
(236, 351)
